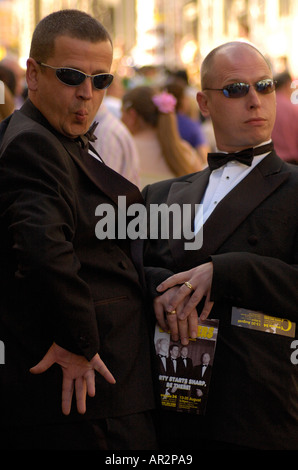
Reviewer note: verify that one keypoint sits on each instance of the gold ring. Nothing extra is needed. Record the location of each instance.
(173, 312)
(188, 284)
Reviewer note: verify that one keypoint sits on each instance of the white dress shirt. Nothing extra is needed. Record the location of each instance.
(222, 181)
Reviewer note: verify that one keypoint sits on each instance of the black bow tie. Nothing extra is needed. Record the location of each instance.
(90, 134)
(88, 137)
(216, 160)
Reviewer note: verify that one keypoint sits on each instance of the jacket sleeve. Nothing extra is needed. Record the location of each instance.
(38, 211)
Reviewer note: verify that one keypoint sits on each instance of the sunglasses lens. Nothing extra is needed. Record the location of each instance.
(236, 90)
(70, 77)
(102, 80)
(265, 86)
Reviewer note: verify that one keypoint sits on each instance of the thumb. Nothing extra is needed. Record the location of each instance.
(46, 362)
(100, 367)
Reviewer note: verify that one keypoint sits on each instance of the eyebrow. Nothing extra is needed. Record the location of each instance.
(79, 70)
(236, 80)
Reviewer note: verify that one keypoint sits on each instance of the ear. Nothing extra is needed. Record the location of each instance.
(32, 74)
(202, 100)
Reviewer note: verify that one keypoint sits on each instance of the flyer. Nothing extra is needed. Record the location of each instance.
(185, 371)
(259, 321)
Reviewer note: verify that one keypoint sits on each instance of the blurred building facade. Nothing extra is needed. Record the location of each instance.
(172, 33)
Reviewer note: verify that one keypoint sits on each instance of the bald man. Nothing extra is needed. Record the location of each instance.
(245, 274)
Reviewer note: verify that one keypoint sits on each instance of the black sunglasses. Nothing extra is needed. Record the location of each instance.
(73, 77)
(238, 90)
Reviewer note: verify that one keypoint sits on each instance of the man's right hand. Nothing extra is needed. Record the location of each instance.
(78, 374)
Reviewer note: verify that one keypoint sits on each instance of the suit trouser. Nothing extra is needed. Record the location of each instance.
(132, 432)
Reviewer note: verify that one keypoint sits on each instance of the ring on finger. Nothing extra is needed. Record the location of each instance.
(188, 284)
(172, 312)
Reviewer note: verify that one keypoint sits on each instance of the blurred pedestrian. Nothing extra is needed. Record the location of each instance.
(8, 77)
(11, 64)
(189, 129)
(285, 131)
(7, 106)
(150, 116)
(113, 97)
(116, 146)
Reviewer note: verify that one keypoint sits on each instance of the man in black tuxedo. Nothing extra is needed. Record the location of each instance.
(248, 260)
(184, 363)
(70, 302)
(202, 372)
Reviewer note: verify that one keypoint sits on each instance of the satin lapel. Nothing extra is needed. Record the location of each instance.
(262, 181)
(105, 178)
(188, 192)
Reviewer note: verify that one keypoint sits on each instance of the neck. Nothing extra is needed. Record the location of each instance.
(225, 149)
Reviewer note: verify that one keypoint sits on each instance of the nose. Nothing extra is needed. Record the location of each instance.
(253, 98)
(85, 90)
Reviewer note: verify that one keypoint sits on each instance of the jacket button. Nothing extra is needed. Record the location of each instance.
(84, 342)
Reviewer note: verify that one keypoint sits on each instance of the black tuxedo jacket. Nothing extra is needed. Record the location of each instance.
(252, 239)
(59, 282)
(184, 370)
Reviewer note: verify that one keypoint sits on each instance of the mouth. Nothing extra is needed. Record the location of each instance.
(81, 115)
(257, 121)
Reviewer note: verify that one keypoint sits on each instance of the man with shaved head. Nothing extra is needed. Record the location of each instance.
(245, 273)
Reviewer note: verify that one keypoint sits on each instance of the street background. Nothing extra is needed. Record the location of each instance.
(151, 36)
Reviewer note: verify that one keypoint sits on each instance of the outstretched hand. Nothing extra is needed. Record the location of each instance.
(78, 375)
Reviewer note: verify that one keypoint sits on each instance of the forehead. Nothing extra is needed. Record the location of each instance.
(75, 52)
(240, 63)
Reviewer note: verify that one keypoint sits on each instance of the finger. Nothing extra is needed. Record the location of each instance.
(173, 325)
(193, 323)
(81, 392)
(67, 392)
(90, 382)
(160, 314)
(192, 303)
(180, 298)
(207, 308)
(46, 362)
(183, 331)
(188, 328)
(172, 281)
(100, 367)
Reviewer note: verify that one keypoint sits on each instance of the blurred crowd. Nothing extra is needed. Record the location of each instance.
(150, 127)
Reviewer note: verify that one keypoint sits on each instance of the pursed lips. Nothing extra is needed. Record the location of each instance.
(81, 114)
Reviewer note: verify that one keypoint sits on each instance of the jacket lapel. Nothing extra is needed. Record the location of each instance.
(105, 178)
(262, 181)
(189, 192)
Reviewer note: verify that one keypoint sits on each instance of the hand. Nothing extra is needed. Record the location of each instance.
(78, 373)
(200, 278)
(178, 329)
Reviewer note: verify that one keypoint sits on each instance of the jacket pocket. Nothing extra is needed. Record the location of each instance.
(110, 300)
